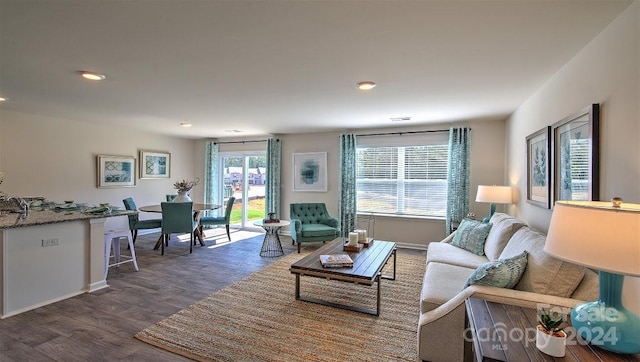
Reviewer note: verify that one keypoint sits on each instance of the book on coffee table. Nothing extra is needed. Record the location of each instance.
(336, 261)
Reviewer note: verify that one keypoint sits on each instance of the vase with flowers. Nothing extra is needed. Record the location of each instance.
(183, 187)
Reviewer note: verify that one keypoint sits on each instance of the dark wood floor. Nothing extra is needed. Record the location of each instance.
(100, 326)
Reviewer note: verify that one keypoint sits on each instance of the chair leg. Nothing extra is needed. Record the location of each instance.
(228, 234)
(298, 248)
(134, 233)
(191, 243)
(164, 237)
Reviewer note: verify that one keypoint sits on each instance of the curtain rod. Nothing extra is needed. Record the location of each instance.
(220, 143)
(401, 133)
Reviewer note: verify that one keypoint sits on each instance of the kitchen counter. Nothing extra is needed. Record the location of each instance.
(49, 255)
(46, 216)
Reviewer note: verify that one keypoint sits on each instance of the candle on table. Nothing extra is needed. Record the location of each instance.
(353, 239)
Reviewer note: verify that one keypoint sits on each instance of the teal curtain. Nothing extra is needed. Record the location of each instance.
(347, 202)
(211, 179)
(458, 176)
(272, 188)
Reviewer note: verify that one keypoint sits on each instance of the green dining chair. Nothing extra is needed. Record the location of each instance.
(177, 217)
(220, 220)
(135, 223)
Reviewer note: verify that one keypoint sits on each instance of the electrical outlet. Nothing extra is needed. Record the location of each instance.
(50, 242)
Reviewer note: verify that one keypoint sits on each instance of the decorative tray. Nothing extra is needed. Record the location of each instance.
(356, 248)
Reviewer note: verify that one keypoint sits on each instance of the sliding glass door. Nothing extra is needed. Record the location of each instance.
(244, 176)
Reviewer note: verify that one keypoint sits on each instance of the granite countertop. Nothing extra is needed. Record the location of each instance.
(47, 216)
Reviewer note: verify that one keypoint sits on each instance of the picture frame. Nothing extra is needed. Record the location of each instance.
(538, 171)
(576, 154)
(310, 172)
(116, 171)
(155, 164)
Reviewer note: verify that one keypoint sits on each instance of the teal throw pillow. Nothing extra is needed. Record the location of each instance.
(471, 235)
(501, 273)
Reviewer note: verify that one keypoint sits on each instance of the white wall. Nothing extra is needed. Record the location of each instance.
(487, 167)
(56, 158)
(606, 71)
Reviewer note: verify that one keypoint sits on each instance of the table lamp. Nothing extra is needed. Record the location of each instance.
(604, 236)
(494, 195)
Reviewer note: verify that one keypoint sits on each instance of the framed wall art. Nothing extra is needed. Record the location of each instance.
(310, 172)
(155, 164)
(116, 171)
(538, 173)
(575, 149)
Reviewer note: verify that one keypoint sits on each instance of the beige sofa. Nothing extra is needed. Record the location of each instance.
(442, 301)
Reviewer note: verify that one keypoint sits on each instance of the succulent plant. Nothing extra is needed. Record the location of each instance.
(550, 320)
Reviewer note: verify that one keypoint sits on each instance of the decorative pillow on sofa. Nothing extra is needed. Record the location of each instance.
(471, 235)
(504, 226)
(545, 274)
(501, 273)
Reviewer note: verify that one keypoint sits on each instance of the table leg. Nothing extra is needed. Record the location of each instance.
(159, 242)
(391, 277)
(271, 245)
(198, 230)
(375, 312)
(198, 234)
(378, 295)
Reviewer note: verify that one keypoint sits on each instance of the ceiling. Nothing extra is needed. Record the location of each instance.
(246, 68)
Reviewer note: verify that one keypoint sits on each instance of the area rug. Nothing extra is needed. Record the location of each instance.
(258, 319)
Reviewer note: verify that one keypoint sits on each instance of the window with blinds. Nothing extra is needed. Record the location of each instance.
(402, 180)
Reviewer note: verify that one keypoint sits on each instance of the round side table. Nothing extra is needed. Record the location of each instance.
(271, 245)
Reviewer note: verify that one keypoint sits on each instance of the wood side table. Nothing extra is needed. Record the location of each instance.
(503, 332)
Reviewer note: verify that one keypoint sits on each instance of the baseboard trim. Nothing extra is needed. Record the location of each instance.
(411, 246)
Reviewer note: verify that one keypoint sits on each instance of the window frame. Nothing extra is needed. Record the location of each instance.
(401, 145)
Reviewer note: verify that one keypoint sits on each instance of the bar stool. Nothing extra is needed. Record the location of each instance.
(112, 240)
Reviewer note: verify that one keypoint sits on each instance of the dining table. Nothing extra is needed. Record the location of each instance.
(198, 208)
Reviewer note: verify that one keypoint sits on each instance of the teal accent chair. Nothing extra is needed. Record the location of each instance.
(312, 222)
(220, 220)
(177, 217)
(135, 223)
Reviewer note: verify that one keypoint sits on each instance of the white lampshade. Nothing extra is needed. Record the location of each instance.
(597, 235)
(494, 194)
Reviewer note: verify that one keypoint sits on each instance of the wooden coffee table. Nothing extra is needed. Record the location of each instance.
(367, 269)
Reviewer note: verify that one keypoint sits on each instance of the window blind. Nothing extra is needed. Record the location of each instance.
(402, 180)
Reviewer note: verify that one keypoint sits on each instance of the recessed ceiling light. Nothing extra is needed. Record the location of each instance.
(91, 75)
(366, 85)
(2, 99)
(400, 119)
(185, 124)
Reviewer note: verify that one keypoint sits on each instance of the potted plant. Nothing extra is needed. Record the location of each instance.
(550, 338)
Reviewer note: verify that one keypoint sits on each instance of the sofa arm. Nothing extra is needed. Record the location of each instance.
(440, 331)
(330, 221)
(449, 238)
(296, 229)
